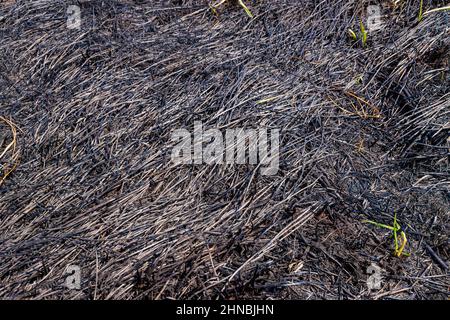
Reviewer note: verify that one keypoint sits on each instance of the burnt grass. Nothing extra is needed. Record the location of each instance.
(89, 181)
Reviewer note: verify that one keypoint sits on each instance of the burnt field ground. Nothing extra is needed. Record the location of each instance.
(86, 177)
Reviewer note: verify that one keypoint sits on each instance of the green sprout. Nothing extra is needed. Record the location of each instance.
(241, 3)
(352, 34)
(247, 10)
(421, 11)
(400, 239)
(362, 34)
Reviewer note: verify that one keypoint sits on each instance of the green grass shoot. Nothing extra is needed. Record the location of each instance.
(363, 33)
(241, 3)
(399, 235)
(246, 9)
(420, 11)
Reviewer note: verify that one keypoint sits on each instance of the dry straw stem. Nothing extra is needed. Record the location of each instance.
(446, 8)
(11, 148)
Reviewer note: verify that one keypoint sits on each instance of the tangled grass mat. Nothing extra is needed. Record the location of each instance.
(86, 174)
